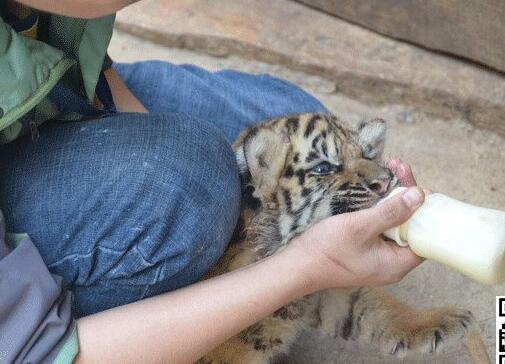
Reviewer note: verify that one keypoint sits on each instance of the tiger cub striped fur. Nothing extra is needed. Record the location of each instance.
(296, 171)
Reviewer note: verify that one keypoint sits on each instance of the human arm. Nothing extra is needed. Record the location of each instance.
(181, 326)
(124, 100)
(79, 8)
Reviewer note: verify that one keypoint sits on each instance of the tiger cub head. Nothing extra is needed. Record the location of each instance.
(301, 169)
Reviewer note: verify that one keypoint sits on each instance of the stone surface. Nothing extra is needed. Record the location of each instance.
(362, 64)
(450, 156)
(470, 29)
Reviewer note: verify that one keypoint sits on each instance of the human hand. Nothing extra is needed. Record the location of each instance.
(347, 249)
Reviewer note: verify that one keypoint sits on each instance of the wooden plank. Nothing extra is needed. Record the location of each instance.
(471, 29)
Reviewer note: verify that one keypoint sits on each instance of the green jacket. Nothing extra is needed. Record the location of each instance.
(39, 50)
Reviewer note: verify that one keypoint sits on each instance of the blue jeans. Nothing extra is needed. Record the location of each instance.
(133, 205)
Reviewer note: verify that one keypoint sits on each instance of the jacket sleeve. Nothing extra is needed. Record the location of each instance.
(36, 325)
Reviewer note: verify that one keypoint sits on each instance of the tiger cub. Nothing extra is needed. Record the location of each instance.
(296, 171)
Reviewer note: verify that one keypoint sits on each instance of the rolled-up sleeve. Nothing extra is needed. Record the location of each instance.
(36, 324)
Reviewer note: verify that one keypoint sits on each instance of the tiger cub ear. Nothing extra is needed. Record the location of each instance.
(263, 154)
(371, 136)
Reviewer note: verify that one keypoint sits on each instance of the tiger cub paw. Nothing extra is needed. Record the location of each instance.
(428, 334)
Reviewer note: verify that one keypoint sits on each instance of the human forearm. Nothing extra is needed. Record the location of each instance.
(79, 8)
(123, 98)
(181, 326)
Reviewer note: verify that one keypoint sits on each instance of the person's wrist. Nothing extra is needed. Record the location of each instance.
(311, 264)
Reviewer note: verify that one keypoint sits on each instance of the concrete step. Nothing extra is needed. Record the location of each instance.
(360, 63)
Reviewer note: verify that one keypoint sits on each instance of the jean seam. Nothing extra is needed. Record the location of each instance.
(156, 279)
(82, 255)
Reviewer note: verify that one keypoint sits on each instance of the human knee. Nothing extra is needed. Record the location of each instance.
(191, 202)
(209, 209)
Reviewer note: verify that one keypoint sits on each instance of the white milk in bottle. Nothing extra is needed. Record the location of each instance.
(468, 238)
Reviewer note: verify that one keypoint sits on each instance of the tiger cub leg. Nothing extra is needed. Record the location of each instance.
(234, 350)
(374, 316)
(273, 335)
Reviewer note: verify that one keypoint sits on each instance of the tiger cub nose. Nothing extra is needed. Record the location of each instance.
(380, 185)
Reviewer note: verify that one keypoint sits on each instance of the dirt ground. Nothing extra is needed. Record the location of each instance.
(448, 156)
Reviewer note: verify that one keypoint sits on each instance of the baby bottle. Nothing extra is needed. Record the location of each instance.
(468, 238)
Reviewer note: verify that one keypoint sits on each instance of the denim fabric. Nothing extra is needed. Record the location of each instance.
(133, 205)
(231, 100)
